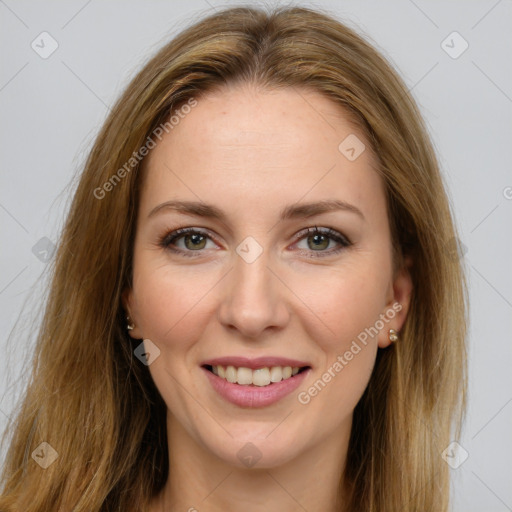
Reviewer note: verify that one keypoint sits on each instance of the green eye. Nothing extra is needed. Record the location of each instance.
(194, 241)
(316, 242)
(191, 241)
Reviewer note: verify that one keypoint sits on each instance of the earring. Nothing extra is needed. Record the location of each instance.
(130, 326)
(393, 335)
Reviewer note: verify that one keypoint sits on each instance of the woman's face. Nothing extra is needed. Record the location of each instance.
(287, 268)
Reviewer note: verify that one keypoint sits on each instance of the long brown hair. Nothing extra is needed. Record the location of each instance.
(97, 406)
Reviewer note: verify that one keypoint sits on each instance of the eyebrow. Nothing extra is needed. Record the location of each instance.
(294, 211)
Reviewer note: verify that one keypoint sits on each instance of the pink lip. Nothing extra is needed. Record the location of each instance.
(254, 364)
(255, 396)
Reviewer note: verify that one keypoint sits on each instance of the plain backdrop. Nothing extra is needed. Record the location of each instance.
(453, 55)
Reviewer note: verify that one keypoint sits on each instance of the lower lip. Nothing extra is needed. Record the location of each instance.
(255, 396)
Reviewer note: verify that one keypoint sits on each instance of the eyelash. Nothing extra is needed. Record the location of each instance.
(171, 237)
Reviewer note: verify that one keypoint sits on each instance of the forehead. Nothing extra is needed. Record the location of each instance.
(264, 147)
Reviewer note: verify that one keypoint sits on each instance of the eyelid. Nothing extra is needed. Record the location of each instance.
(175, 234)
(342, 240)
(333, 234)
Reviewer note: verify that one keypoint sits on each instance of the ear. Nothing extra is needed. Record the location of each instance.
(398, 302)
(131, 313)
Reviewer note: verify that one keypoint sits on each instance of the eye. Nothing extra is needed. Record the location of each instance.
(317, 240)
(186, 241)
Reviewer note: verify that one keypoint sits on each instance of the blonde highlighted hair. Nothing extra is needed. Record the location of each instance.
(90, 399)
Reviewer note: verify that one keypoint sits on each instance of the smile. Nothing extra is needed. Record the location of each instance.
(255, 382)
(259, 377)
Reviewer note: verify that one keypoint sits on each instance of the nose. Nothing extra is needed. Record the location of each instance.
(254, 299)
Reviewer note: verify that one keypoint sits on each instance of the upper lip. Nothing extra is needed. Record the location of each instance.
(254, 363)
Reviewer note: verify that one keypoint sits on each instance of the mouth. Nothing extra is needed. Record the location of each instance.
(260, 377)
(252, 383)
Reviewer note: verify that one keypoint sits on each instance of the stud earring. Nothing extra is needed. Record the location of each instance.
(393, 335)
(130, 326)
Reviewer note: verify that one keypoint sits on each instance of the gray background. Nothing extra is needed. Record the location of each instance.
(51, 109)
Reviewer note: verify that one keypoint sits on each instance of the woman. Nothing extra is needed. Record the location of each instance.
(253, 305)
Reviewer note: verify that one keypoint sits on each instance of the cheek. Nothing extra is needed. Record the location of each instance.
(345, 302)
(347, 305)
(171, 303)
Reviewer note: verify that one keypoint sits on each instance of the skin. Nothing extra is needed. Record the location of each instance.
(251, 153)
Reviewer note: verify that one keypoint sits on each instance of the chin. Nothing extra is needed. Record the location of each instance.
(256, 448)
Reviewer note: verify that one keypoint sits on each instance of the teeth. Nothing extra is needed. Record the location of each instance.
(231, 374)
(244, 376)
(276, 374)
(260, 377)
